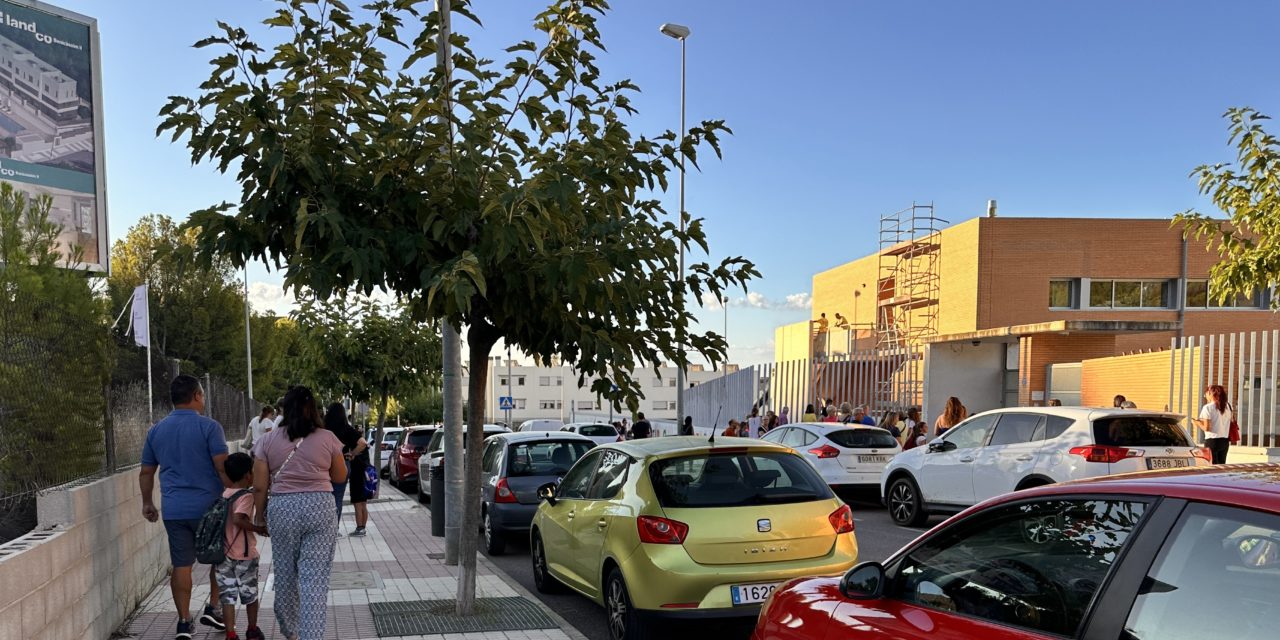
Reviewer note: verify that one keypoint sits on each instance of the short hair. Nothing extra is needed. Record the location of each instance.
(238, 465)
(183, 389)
(640, 416)
(1128, 404)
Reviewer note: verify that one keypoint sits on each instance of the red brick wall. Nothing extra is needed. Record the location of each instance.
(1036, 352)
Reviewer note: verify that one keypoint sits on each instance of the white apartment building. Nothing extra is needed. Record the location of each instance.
(553, 392)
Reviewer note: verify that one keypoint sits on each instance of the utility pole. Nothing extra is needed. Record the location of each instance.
(451, 350)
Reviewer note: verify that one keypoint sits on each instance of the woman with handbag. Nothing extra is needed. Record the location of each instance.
(1216, 418)
(294, 468)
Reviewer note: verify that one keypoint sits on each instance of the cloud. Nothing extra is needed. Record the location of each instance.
(755, 300)
(271, 296)
(798, 301)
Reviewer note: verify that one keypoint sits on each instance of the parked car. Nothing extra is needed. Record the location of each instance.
(680, 528)
(598, 432)
(514, 466)
(389, 437)
(540, 425)
(409, 447)
(1190, 553)
(1005, 450)
(434, 457)
(846, 455)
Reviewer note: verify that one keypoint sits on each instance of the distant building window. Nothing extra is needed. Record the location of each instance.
(659, 405)
(657, 382)
(519, 381)
(544, 381)
(502, 381)
(1199, 297)
(549, 404)
(671, 382)
(1062, 294)
(1129, 294)
(587, 405)
(519, 403)
(559, 381)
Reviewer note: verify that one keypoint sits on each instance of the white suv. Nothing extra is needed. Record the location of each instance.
(1005, 450)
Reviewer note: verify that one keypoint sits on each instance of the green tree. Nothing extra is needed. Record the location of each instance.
(513, 200)
(197, 310)
(1248, 241)
(366, 351)
(424, 407)
(55, 356)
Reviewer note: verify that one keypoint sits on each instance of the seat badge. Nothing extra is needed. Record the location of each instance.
(763, 525)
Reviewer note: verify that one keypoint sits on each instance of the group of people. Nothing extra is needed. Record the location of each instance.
(300, 462)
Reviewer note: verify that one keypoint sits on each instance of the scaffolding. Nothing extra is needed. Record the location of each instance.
(906, 302)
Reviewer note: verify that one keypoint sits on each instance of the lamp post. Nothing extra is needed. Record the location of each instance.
(681, 33)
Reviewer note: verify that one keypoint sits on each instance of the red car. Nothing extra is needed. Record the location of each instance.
(1166, 555)
(404, 459)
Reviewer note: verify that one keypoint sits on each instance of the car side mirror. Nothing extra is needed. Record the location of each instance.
(548, 492)
(864, 581)
(938, 446)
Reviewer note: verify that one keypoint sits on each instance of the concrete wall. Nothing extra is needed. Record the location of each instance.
(89, 563)
(973, 374)
(1142, 378)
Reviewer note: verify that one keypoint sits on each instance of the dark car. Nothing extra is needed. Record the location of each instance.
(404, 458)
(1159, 555)
(513, 466)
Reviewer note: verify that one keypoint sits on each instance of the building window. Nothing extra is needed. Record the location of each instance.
(544, 381)
(1062, 294)
(559, 381)
(549, 404)
(657, 382)
(1129, 294)
(1199, 297)
(519, 403)
(587, 405)
(502, 381)
(659, 405)
(671, 382)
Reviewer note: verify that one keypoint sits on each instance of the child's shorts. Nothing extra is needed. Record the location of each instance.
(238, 580)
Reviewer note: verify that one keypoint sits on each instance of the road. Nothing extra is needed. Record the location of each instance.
(877, 536)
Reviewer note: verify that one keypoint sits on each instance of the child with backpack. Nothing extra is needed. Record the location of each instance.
(237, 574)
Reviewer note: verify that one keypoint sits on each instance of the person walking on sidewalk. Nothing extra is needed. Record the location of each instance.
(356, 451)
(259, 427)
(293, 473)
(641, 429)
(238, 574)
(189, 450)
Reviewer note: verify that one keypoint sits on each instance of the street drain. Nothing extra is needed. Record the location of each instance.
(425, 617)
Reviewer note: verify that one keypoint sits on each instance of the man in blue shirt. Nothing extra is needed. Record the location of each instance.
(860, 416)
(189, 450)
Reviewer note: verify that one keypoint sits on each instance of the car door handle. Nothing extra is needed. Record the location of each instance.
(1025, 458)
(966, 459)
(602, 523)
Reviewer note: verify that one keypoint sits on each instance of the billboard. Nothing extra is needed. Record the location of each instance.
(51, 119)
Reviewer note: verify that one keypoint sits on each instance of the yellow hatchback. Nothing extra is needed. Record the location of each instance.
(681, 527)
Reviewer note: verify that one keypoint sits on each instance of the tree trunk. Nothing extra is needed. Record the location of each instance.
(451, 351)
(480, 339)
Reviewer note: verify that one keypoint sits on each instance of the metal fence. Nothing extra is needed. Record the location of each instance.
(75, 405)
(879, 379)
(1246, 363)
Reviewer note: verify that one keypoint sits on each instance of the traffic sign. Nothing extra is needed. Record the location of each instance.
(506, 403)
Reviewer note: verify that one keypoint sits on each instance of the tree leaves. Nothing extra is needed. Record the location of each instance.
(1248, 242)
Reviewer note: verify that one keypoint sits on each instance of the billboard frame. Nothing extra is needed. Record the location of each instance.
(103, 265)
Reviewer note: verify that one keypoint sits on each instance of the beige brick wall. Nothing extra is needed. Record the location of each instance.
(91, 562)
(1142, 378)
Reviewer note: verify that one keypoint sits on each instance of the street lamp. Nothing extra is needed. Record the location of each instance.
(681, 33)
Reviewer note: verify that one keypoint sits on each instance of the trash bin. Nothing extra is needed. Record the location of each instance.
(437, 501)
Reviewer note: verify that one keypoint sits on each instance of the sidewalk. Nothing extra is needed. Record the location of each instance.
(387, 575)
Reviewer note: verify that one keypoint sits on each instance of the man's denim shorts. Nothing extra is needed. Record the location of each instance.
(182, 541)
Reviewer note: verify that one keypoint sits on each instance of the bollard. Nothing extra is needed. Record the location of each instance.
(437, 501)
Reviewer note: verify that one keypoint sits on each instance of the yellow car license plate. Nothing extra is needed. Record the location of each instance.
(751, 593)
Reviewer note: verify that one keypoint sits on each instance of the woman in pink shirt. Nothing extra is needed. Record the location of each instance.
(295, 466)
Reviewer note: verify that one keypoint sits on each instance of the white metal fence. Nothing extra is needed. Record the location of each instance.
(1247, 364)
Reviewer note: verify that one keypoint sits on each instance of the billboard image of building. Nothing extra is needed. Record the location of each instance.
(50, 120)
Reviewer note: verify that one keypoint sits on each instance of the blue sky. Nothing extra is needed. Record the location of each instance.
(842, 111)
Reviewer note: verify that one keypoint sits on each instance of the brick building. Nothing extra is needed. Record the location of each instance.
(1016, 295)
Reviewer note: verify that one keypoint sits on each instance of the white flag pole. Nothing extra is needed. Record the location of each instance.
(151, 411)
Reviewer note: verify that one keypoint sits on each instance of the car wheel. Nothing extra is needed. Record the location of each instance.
(422, 498)
(543, 581)
(495, 541)
(625, 623)
(905, 506)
